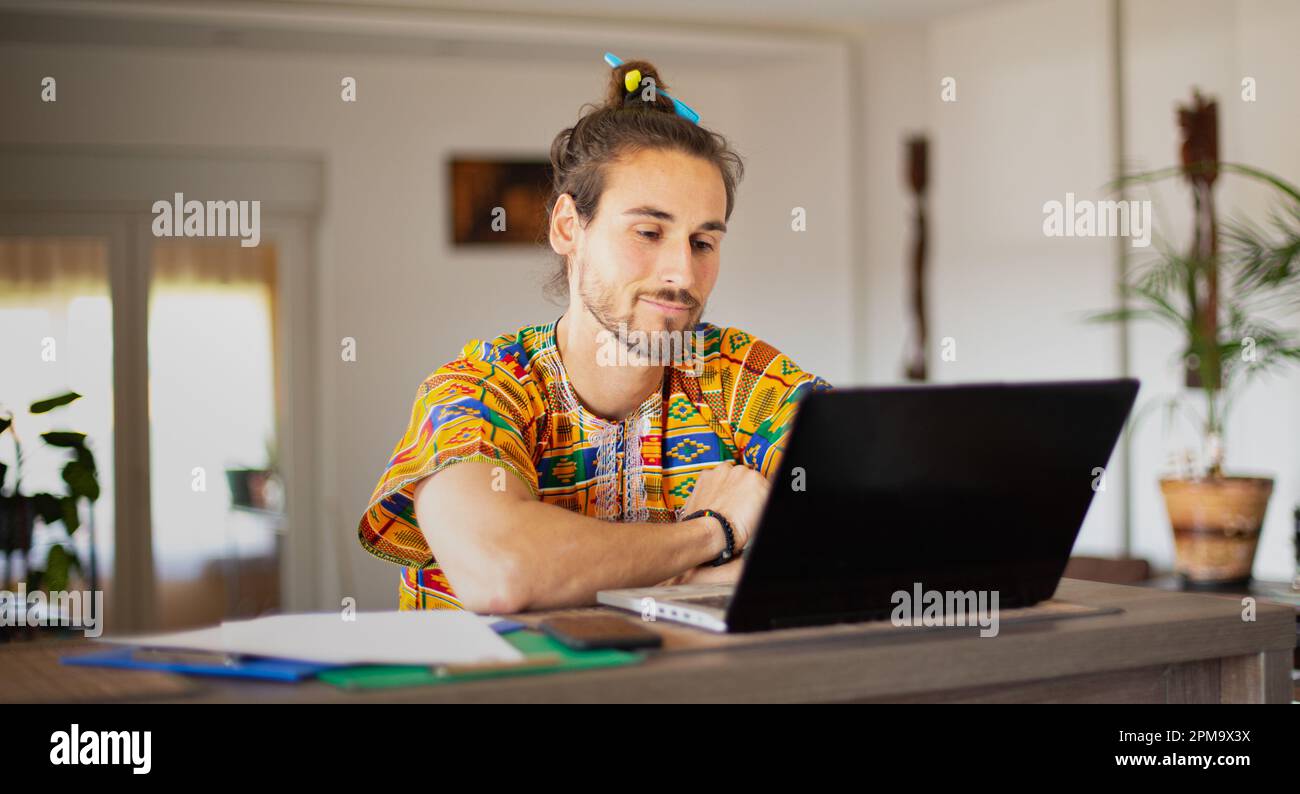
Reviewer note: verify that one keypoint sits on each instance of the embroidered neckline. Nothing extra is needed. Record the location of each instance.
(610, 437)
(558, 375)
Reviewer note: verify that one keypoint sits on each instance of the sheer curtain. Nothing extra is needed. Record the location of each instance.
(212, 386)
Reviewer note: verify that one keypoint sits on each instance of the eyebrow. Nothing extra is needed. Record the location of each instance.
(654, 212)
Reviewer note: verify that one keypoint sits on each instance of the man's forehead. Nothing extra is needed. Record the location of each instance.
(688, 188)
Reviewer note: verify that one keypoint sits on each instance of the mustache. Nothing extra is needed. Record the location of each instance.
(679, 296)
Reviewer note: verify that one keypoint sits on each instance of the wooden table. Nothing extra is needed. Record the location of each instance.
(1160, 646)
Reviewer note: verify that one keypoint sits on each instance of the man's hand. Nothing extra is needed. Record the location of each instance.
(737, 492)
(709, 574)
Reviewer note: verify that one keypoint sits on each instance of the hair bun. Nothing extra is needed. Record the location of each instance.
(618, 95)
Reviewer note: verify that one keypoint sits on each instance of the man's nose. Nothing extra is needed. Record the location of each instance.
(677, 265)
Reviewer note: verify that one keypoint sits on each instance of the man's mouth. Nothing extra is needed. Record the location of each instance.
(668, 308)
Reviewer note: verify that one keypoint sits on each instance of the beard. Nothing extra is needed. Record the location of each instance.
(600, 299)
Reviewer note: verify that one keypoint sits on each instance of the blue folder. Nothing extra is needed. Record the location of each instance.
(264, 669)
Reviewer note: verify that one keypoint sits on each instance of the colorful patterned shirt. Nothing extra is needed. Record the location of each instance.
(509, 402)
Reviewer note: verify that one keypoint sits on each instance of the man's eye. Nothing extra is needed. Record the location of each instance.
(704, 246)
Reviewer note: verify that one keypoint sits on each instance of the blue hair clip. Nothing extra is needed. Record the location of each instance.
(681, 107)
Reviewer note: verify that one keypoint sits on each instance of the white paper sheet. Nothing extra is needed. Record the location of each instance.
(410, 637)
(208, 639)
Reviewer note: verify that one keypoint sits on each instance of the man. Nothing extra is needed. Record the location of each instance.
(568, 458)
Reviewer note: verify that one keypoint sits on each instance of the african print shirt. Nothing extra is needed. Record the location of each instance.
(509, 402)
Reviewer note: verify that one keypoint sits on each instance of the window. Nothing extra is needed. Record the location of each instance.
(57, 325)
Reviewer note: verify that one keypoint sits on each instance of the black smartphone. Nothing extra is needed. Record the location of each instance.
(600, 631)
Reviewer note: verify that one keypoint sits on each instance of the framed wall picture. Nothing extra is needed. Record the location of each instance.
(498, 201)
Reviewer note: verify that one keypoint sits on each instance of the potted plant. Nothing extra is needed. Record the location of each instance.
(19, 511)
(1218, 298)
(258, 489)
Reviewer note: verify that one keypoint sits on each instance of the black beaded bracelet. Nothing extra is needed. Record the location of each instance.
(726, 554)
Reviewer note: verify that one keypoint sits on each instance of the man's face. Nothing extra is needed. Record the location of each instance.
(648, 259)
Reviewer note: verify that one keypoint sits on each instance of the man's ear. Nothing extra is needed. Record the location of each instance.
(564, 225)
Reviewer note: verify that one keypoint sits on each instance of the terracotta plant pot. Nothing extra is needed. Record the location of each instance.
(1216, 525)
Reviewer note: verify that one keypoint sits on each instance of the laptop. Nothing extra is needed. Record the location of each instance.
(967, 487)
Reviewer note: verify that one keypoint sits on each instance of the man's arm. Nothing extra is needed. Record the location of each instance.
(505, 551)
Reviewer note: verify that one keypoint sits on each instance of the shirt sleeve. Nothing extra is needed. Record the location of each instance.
(766, 387)
(476, 407)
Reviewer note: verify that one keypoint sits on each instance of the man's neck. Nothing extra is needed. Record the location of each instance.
(608, 392)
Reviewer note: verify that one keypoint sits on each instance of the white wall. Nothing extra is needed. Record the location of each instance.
(1032, 121)
(388, 278)
(894, 81)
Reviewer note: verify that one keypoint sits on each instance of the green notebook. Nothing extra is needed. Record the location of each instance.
(531, 643)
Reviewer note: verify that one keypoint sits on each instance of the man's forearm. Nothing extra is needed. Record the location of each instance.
(507, 551)
(565, 557)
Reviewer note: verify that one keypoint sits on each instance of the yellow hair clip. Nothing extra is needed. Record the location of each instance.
(681, 107)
